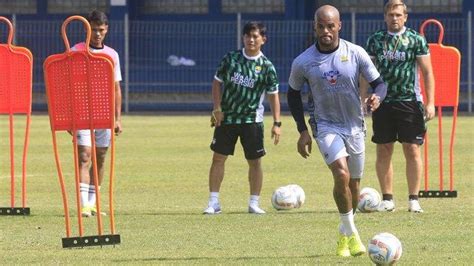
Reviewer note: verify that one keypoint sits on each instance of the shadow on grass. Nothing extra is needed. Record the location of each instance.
(118, 214)
(216, 260)
(287, 212)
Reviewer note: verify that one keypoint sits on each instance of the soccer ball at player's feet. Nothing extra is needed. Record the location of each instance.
(385, 249)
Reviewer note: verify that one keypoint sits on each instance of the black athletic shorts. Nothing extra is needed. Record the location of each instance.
(399, 121)
(251, 138)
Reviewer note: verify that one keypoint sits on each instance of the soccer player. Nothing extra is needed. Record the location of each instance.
(99, 25)
(332, 67)
(398, 52)
(238, 90)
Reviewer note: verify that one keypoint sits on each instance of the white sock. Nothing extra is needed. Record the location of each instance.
(342, 230)
(84, 191)
(347, 220)
(92, 198)
(253, 200)
(214, 198)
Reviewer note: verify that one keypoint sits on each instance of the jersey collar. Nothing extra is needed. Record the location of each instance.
(327, 52)
(251, 57)
(397, 33)
(97, 48)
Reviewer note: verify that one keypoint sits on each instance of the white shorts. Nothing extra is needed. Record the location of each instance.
(102, 137)
(334, 146)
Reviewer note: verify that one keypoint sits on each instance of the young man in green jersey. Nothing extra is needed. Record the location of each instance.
(398, 52)
(238, 88)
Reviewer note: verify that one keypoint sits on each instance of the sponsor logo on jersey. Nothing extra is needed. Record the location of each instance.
(258, 69)
(242, 80)
(344, 58)
(331, 76)
(405, 41)
(394, 56)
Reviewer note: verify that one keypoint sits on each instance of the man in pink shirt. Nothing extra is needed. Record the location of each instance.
(99, 25)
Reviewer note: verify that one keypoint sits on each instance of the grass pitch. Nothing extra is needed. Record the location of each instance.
(162, 165)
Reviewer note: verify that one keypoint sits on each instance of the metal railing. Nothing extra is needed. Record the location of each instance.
(170, 65)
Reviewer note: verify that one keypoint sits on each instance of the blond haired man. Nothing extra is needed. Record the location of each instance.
(398, 52)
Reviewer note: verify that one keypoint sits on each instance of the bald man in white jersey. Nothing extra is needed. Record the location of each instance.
(332, 68)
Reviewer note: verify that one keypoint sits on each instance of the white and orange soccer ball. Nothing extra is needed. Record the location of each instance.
(288, 197)
(369, 200)
(385, 249)
(300, 195)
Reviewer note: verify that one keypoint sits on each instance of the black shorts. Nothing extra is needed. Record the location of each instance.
(251, 138)
(399, 121)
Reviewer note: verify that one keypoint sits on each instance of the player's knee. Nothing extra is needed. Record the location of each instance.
(218, 159)
(385, 150)
(411, 150)
(340, 170)
(84, 157)
(101, 154)
(341, 177)
(256, 163)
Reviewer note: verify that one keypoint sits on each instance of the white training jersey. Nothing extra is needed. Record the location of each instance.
(334, 82)
(105, 50)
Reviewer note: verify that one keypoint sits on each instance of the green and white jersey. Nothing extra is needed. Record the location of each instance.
(395, 56)
(245, 80)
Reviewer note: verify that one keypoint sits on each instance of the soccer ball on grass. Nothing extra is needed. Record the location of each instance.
(385, 249)
(369, 200)
(300, 195)
(288, 197)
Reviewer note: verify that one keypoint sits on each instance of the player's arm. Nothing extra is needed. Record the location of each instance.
(379, 91)
(217, 115)
(369, 72)
(363, 83)
(274, 100)
(118, 108)
(295, 103)
(428, 77)
(364, 91)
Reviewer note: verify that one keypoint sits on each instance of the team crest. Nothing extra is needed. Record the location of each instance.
(258, 69)
(331, 76)
(405, 41)
(344, 58)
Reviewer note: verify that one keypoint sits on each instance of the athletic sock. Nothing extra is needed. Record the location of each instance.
(387, 196)
(84, 191)
(342, 230)
(412, 197)
(347, 220)
(213, 197)
(253, 200)
(92, 195)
